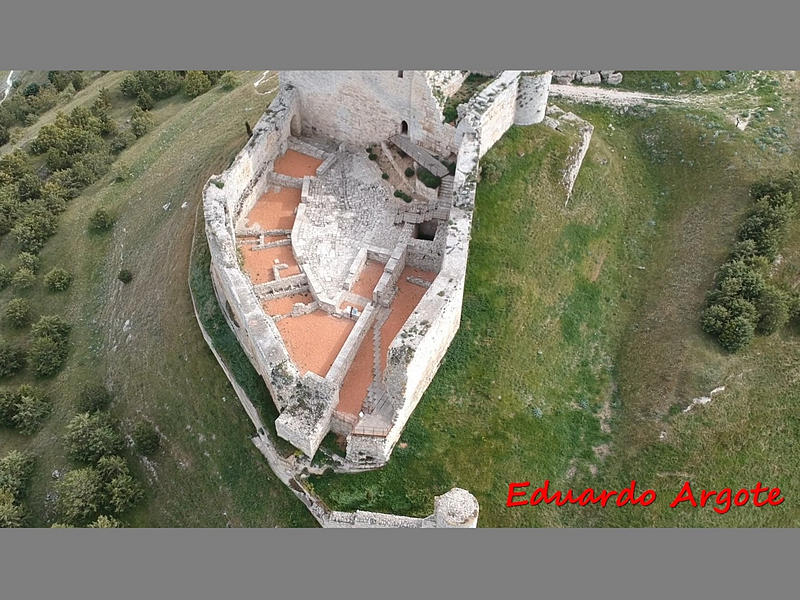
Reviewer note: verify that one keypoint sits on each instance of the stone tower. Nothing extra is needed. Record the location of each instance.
(457, 508)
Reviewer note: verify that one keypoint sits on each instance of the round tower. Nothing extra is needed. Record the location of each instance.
(532, 92)
(457, 508)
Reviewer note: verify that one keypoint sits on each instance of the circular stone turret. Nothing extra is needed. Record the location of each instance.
(532, 93)
(456, 508)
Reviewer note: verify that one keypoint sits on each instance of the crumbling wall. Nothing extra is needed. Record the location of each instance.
(491, 112)
(366, 107)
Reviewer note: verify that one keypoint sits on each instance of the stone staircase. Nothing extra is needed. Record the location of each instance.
(446, 188)
(377, 391)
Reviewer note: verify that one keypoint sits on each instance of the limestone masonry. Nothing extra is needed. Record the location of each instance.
(339, 238)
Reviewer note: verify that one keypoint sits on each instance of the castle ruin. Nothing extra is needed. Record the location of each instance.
(339, 239)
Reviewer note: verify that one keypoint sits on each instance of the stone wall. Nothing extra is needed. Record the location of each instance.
(532, 93)
(366, 107)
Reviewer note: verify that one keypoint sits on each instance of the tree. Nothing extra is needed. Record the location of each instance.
(773, 310)
(229, 81)
(12, 358)
(18, 312)
(196, 83)
(58, 280)
(34, 228)
(5, 277)
(145, 101)
(29, 261)
(93, 398)
(141, 121)
(125, 276)
(736, 334)
(31, 408)
(146, 438)
(91, 436)
(51, 326)
(47, 355)
(4, 135)
(101, 220)
(123, 492)
(105, 522)
(11, 514)
(80, 495)
(16, 469)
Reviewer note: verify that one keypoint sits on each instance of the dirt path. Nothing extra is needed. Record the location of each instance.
(615, 97)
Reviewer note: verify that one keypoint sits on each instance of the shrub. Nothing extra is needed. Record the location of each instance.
(105, 522)
(196, 83)
(47, 355)
(23, 279)
(4, 135)
(402, 195)
(427, 178)
(31, 407)
(101, 220)
(51, 326)
(12, 358)
(5, 277)
(34, 228)
(736, 334)
(384, 176)
(773, 310)
(29, 261)
(491, 169)
(80, 495)
(125, 276)
(93, 398)
(229, 81)
(58, 280)
(18, 312)
(373, 156)
(146, 438)
(91, 436)
(122, 140)
(16, 469)
(145, 101)
(123, 492)
(409, 172)
(11, 514)
(141, 122)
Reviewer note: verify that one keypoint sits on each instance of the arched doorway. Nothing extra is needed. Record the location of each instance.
(404, 127)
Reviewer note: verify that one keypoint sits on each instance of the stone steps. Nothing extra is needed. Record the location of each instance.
(419, 154)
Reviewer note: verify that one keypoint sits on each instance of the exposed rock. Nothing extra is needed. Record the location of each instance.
(591, 79)
(614, 79)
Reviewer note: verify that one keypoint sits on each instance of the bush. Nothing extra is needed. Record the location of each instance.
(58, 280)
(29, 261)
(23, 279)
(402, 195)
(4, 135)
(47, 355)
(18, 312)
(51, 326)
(123, 492)
(427, 178)
(5, 277)
(146, 438)
(384, 176)
(141, 122)
(101, 220)
(196, 83)
(145, 101)
(11, 514)
(94, 398)
(229, 81)
(12, 358)
(16, 469)
(125, 276)
(31, 407)
(773, 310)
(409, 172)
(34, 229)
(80, 496)
(105, 522)
(122, 140)
(91, 436)
(736, 334)
(373, 156)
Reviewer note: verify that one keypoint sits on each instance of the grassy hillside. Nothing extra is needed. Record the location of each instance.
(142, 338)
(580, 339)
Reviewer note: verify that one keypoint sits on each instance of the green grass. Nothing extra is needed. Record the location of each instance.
(142, 338)
(682, 81)
(580, 335)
